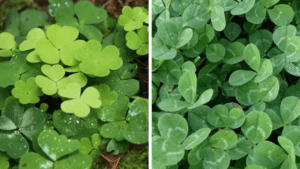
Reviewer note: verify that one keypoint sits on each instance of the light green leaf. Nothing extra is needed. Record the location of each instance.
(265, 71)
(241, 77)
(268, 3)
(243, 7)
(257, 14)
(292, 50)
(88, 13)
(266, 154)
(283, 34)
(224, 139)
(257, 127)
(55, 145)
(216, 158)
(98, 62)
(290, 109)
(234, 53)
(215, 52)
(218, 18)
(34, 160)
(32, 38)
(184, 37)
(252, 56)
(187, 86)
(166, 151)
(281, 14)
(203, 99)
(196, 138)
(196, 16)
(173, 127)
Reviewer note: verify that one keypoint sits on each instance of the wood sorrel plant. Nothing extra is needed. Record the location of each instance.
(81, 63)
(225, 84)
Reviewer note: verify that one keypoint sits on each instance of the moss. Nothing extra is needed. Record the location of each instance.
(136, 159)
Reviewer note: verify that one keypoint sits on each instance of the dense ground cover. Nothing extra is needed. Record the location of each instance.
(69, 88)
(225, 84)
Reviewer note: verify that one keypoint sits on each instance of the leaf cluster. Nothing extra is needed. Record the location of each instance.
(225, 84)
(66, 87)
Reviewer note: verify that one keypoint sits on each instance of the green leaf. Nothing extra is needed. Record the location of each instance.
(7, 44)
(234, 53)
(58, 39)
(55, 145)
(80, 103)
(34, 160)
(87, 13)
(117, 147)
(107, 96)
(138, 106)
(166, 151)
(215, 52)
(173, 105)
(4, 161)
(85, 146)
(184, 37)
(180, 5)
(281, 14)
(168, 33)
(243, 7)
(74, 161)
(28, 92)
(173, 127)
(218, 18)
(268, 3)
(98, 62)
(128, 87)
(169, 72)
(14, 144)
(262, 39)
(266, 154)
(30, 19)
(242, 148)
(187, 86)
(292, 51)
(68, 124)
(224, 139)
(283, 34)
(252, 56)
(163, 53)
(137, 130)
(17, 69)
(132, 18)
(196, 16)
(257, 14)
(241, 77)
(54, 74)
(265, 71)
(293, 68)
(204, 98)
(114, 112)
(232, 31)
(290, 109)
(113, 130)
(196, 138)
(32, 38)
(257, 127)
(288, 146)
(216, 158)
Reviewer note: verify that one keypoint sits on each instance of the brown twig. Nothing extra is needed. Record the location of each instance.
(115, 166)
(107, 3)
(107, 159)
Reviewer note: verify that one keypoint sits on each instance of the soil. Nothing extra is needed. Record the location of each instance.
(114, 8)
